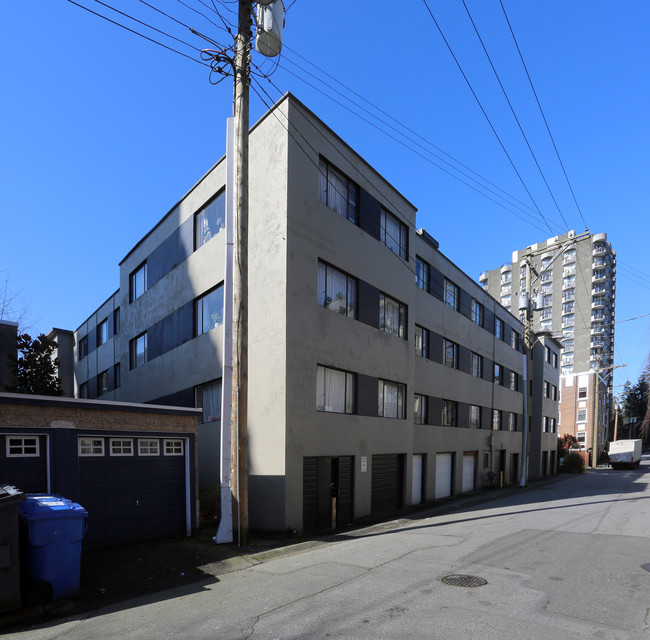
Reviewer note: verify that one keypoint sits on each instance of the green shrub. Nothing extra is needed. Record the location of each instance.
(573, 463)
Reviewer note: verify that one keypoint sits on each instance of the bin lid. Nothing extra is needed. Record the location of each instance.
(10, 494)
(43, 506)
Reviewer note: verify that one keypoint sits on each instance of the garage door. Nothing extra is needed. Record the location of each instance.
(416, 485)
(469, 463)
(387, 483)
(23, 462)
(443, 474)
(132, 488)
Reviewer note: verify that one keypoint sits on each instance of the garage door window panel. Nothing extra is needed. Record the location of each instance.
(121, 447)
(19, 447)
(91, 447)
(148, 447)
(174, 448)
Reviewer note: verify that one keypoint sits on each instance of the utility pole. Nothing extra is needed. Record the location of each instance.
(594, 429)
(239, 416)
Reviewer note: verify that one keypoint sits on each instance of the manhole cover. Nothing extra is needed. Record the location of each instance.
(459, 580)
(646, 566)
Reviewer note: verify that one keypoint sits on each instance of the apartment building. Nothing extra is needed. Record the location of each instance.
(573, 288)
(380, 374)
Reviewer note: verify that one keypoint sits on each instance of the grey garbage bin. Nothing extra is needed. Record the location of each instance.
(10, 498)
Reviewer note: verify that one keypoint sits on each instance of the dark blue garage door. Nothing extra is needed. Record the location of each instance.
(133, 488)
(23, 462)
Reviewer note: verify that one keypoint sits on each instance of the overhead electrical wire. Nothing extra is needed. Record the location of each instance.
(137, 33)
(469, 84)
(514, 114)
(539, 104)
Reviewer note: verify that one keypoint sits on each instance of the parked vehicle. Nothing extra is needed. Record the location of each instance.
(624, 453)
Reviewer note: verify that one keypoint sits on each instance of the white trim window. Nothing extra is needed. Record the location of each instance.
(335, 390)
(391, 400)
(23, 447)
(90, 446)
(148, 447)
(582, 415)
(173, 447)
(121, 446)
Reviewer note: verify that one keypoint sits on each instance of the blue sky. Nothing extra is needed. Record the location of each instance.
(103, 131)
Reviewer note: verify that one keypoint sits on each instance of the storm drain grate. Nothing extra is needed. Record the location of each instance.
(459, 580)
(646, 566)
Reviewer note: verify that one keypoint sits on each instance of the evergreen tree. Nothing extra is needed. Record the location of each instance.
(35, 366)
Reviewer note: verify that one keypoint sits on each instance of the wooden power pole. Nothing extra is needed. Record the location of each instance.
(239, 457)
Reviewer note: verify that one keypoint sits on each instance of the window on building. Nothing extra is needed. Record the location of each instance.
(208, 311)
(498, 374)
(451, 298)
(117, 376)
(547, 389)
(138, 350)
(581, 437)
(553, 392)
(474, 416)
(338, 192)
(116, 321)
(102, 383)
(582, 415)
(506, 301)
(391, 400)
(148, 447)
(91, 446)
(419, 409)
(496, 420)
(553, 425)
(582, 392)
(102, 332)
(22, 447)
(207, 397)
(449, 413)
(173, 447)
(514, 381)
(83, 348)
(121, 446)
(477, 365)
(477, 313)
(545, 325)
(498, 328)
(394, 234)
(421, 342)
(392, 316)
(450, 354)
(83, 390)
(512, 422)
(515, 340)
(335, 390)
(568, 307)
(337, 291)
(210, 220)
(486, 460)
(554, 359)
(547, 351)
(422, 270)
(545, 424)
(138, 282)
(569, 345)
(569, 282)
(547, 300)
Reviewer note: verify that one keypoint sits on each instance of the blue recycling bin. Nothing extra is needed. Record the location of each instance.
(53, 528)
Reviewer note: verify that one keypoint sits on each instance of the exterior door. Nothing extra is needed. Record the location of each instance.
(444, 469)
(387, 492)
(416, 484)
(469, 471)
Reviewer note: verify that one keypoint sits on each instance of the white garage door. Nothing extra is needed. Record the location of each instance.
(443, 475)
(416, 487)
(468, 472)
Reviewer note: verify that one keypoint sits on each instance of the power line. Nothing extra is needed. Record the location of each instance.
(539, 104)
(505, 151)
(512, 109)
(137, 33)
(396, 130)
